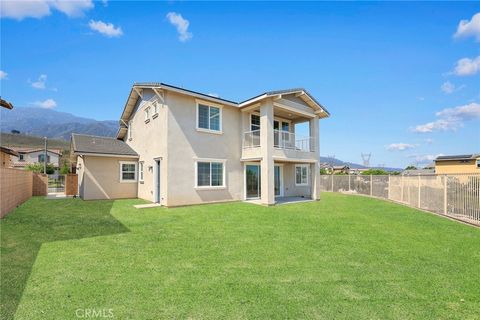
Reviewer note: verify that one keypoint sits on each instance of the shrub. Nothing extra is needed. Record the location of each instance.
(38, 167)
(375, 172)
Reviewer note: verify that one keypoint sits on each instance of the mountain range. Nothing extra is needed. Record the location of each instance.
(53, 124)
(60, 125)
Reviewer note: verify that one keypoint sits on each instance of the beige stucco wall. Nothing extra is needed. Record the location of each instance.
(290, 189)
(173, 138)
(149, 140)
(450, 167)
(99, 178)
(80, 170)
(185, 144)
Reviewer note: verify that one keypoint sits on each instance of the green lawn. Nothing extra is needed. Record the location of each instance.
(344, 257)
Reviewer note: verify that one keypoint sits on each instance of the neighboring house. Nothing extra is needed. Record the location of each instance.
(341, 169)
(180, 147)
(5, 157)
(467, 163)
(28, 156)
(357, 171)
(327, 166)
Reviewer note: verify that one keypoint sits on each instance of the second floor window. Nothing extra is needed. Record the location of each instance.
(20, 157)
(254, 122)
(209, 117)
(41, 158)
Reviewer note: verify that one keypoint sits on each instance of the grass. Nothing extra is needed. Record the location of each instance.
(344, 257)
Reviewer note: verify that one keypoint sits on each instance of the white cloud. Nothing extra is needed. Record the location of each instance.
(469, 28)
(451, 119)
(75, 8)
(400, 146)
(21, 9)
(447, 87)
(40, 83)
(467, 66)
(3, 75)
(181, 24)
(47, 104)
(428, 141)
(421, 98)
(425, 157)
(106, 29)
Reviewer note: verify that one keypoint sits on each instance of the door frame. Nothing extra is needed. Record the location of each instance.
(156, 181)
(282, 189)
(245, 164)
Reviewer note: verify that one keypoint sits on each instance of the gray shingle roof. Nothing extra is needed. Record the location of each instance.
(85, 144)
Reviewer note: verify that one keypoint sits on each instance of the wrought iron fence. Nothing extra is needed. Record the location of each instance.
(453, 195)
(56, 183)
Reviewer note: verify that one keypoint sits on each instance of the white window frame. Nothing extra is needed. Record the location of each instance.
(141, 165)
(121, 171)
(307, 183)
(210, 187)
(478, 163)
(209, 105)
(155, 109)
(147, 114)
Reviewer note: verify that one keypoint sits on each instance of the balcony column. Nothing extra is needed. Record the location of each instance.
(315, 167)
(266, 147)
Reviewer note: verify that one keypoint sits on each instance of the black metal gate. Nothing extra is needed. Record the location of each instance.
(56, 183)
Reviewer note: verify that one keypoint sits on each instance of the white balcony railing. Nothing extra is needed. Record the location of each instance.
(281, 140)
(251, 139)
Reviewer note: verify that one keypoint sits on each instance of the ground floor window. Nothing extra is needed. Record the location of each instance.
(128, 171)
(210, 173)
(301, 174)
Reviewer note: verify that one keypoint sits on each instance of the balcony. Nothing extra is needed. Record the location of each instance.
(286, 145)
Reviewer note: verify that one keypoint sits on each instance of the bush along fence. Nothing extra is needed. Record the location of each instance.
(454, 195)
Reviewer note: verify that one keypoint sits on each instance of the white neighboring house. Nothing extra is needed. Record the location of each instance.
(180, 147)
(28, 156)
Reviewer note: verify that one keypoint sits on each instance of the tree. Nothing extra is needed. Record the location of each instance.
(375, 172)
(411, 168)
(65, 168)
(38, 167)
(323, 171)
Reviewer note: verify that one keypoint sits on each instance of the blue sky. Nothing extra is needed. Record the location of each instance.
(393, 75)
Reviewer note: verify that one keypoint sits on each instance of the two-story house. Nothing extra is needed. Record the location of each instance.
(28, 155)
(180, 147)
